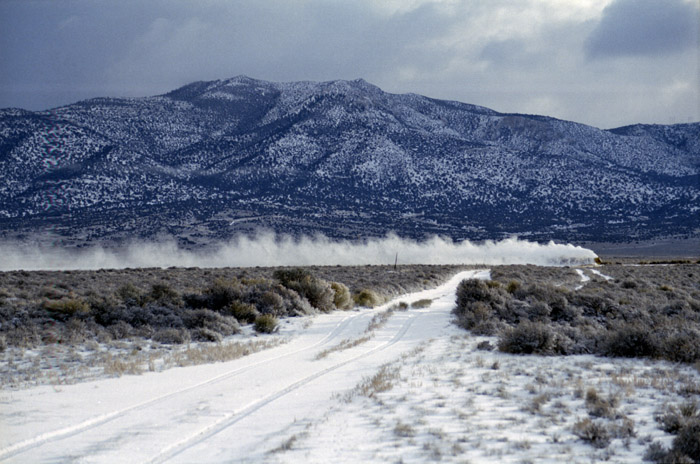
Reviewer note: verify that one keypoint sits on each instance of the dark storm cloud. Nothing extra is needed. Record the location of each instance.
(644, 27)
(54, 52)
(57, 52)
(529, 56)
(314, 40)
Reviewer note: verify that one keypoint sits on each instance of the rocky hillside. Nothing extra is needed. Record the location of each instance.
(214, 159)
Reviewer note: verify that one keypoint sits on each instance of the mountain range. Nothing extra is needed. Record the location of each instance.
(212, 160)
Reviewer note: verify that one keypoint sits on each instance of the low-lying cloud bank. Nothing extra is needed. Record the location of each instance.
(273, 250)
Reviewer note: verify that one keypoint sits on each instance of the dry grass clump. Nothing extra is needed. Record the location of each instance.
(421, 304)
(382, 381)
(377, 321)
(550, 311)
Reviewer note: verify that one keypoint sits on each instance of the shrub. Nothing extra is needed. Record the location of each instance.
(122, 329)
(472, 290)
(683, 421)
(243, 312)
(677, 417)
(271, 303)
(197, 301)
(319, 293)
(485, 346)
(629, 341)
(68, 307)
(266, 323)
(205, 318)
(687, 442)
(600, 407)
(478, 317)
(682, 346)
(655, 452)
(513, 286)
(222, 293)
(288, 276)
(595, 433)
(130, 295)
(367, 298)
(171, 336)
(342, 298)
(164, 294)
(204, 334)
(539, 311)
(527, 338)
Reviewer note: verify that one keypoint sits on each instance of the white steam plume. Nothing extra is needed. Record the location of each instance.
(267, 249)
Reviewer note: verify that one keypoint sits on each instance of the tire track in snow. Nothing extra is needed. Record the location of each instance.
(584, 279)
(232, 418)
(88, 424)
(63, 436)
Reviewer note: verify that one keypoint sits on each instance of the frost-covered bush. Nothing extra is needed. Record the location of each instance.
(598, 406)
(122, 329)
(317, 292)
(472, 291)
(171, 336)
(683, 421)
(478, 317)
(207, 319)
(266, 323)
(246, 298)
(682, 345)
(528, 338)
(630, 340)
(221, 294)
(367, 298)
(204, 334)
(129, 294)
(687, 442)
(243, 312)
(164, 294)
(633, 314)
(596, 433)
(341, 298)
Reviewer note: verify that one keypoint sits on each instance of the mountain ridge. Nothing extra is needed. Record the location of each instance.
(213, 159)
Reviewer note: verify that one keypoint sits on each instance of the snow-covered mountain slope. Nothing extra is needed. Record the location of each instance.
(213, 159)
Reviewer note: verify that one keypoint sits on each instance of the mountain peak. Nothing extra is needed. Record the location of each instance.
(339, 157)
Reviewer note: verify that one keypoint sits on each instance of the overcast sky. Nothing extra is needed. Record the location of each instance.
(601, 62)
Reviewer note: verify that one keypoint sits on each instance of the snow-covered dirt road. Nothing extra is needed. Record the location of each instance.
(225, 412)
(371, 386)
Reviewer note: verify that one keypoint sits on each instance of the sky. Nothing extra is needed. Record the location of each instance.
(606, 63)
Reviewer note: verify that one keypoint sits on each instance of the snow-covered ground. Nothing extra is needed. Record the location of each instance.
(402, 385)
